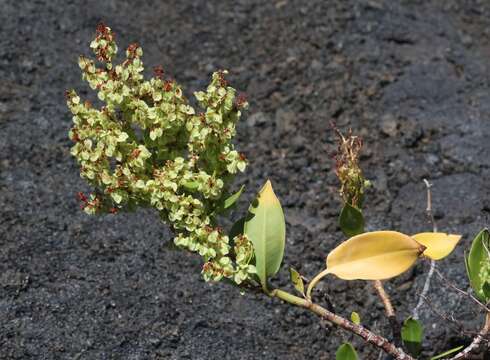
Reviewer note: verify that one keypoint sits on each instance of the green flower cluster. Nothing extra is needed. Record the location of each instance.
(148, 147)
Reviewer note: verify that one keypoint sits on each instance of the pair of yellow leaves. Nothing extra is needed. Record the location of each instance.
(381, 255)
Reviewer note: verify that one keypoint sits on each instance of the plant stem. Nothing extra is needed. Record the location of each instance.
(475, 344)
(390, 312)
(430, 215)
(315, 281)
(359, 330)
(378, 285)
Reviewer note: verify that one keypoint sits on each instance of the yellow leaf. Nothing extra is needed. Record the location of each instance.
(439, 245)
(374, 255)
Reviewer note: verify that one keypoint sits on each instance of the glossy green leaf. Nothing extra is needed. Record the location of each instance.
(297, 280)
(266, 229)
(351, 220)
(412, 335)
(447, 353)
(237, 228)
(355, 318)
(226, 204)
(346, 352)
(230, 201)
(478, 265)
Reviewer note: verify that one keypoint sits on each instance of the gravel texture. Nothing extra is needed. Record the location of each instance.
(412, 77)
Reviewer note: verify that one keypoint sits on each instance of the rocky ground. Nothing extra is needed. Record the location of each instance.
(410, 76)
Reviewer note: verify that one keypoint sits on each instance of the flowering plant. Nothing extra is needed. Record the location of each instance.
(148, 147)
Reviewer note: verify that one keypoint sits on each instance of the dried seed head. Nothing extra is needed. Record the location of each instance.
(347, 169)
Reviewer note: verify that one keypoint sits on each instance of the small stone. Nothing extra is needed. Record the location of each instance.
(467, 40)
(316, 65)
(432, 159)
(257, 119)
(155, 341)
(389, 125)
(284, 120)
(210, 67)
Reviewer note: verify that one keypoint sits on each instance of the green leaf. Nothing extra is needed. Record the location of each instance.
(446, 353)
(225, 205)
(265, 227)
(346, 352)
(486, 289)
(412, 334)
(351, 220)
(356, 319)
(230, 201)
(478, 265)
(237, 228)
(297, 281)
(466, 265)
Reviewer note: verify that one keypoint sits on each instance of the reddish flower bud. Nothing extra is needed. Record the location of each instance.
(158, 70)
(132, 50)
(82, 197)
(240, 100)
(168, 85)
(101, 29)
(75, 137)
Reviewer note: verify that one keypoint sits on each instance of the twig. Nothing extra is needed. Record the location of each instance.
(430, 215)
(462, 292)
(449, 319)
(390, 313)
(345, 324)
(475, 344)
(428, 210)
(378, 285)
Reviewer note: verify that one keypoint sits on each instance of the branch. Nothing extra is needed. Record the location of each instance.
(428, 210)
(390, 312)
(457, 326)
(378, 285)
(345, 324)
(446, 282)
(475, 344)
(430, 215)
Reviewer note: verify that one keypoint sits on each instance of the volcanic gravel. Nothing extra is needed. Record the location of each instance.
(411, 77)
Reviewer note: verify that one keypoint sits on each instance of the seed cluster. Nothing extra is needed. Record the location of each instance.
(148, 147)
(347, 169)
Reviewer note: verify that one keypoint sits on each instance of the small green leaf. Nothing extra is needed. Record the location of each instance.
(297, 281)
(412, 334)
(351, 220)
(346, 352)
(229, 202)
(478, 265)
(446, 353)
(237, 228)
(356, 319)
(265, 227)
